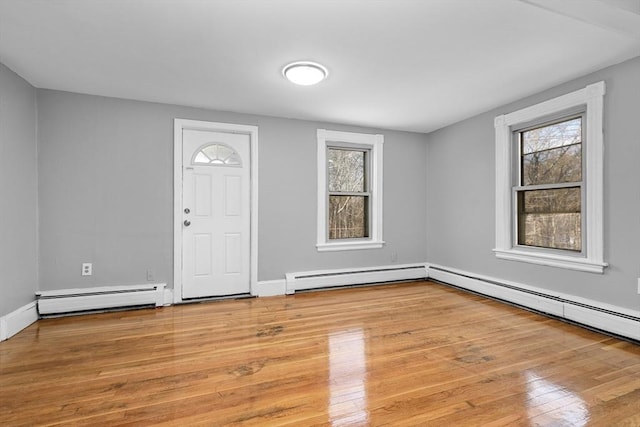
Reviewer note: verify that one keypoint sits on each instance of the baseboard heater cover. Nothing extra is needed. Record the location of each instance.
(353, 276)
(614, 320)
(102, 298)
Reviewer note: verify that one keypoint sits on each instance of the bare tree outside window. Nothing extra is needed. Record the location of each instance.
(348, 193)
(549, 197)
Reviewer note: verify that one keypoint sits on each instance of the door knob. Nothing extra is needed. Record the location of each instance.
(187, 223)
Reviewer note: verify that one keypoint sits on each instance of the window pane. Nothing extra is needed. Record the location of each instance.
(552, 154)
(201, 158)
(217, 151)
(348, 217)
(346, 169)
(550, 218)
(233, 159)
(562, 164)
(552, 136)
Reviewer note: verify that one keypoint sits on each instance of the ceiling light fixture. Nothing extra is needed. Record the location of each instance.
(305, 73)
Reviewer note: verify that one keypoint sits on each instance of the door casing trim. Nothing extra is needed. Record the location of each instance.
(252, 131)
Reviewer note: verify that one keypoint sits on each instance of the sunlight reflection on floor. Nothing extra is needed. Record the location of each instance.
(347, 376)
(553, 403)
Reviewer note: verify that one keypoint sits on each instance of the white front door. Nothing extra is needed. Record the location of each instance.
(216, 208)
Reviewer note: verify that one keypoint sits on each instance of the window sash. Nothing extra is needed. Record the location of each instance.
(561, 217)
(360, 226)
(365, 165)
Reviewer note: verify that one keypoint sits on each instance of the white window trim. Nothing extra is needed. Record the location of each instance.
(592, 98)
(374, 144)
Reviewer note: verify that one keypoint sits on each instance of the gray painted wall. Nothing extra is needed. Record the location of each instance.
(106, 186)
(461, 196)
(106, 192)
(18, 192)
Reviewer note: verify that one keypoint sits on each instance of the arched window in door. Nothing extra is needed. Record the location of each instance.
(216, 154)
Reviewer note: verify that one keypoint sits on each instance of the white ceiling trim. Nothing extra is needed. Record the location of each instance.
(603, 14)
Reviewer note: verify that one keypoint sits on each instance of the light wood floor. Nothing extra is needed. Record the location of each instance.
(407, 354)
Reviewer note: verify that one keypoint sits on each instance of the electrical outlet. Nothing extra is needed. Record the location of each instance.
(638, 285)
(394, 256)
(150, 276)
(87, 269)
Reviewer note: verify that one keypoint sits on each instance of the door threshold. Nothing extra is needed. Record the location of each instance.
(215, 298)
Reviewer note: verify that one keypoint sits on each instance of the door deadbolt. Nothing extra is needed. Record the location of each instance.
(187, 210)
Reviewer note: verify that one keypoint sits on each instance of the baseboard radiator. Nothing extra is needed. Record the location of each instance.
(603, 317)
(73, 301)
(354, 276)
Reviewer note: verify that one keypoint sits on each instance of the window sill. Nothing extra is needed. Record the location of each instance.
(552, 260)
(349, 246)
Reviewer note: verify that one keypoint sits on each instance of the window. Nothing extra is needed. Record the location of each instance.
(549, 180)
(349, 191)
(216, 154)
(548, 194)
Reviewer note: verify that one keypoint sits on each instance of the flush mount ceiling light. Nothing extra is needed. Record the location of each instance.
(305, 73)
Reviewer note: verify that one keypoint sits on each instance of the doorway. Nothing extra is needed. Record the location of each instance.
(215, 209)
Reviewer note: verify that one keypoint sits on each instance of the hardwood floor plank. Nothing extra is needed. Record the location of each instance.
(401, 354)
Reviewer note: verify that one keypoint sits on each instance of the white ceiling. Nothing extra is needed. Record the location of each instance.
(396, 64)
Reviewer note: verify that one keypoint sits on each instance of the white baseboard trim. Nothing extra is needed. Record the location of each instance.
(617, 320)
(17, 320)
(353, 276)
(606, 317)
(270, 288)
(101, 298)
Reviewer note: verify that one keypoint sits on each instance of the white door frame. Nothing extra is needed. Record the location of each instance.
(252, 131)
